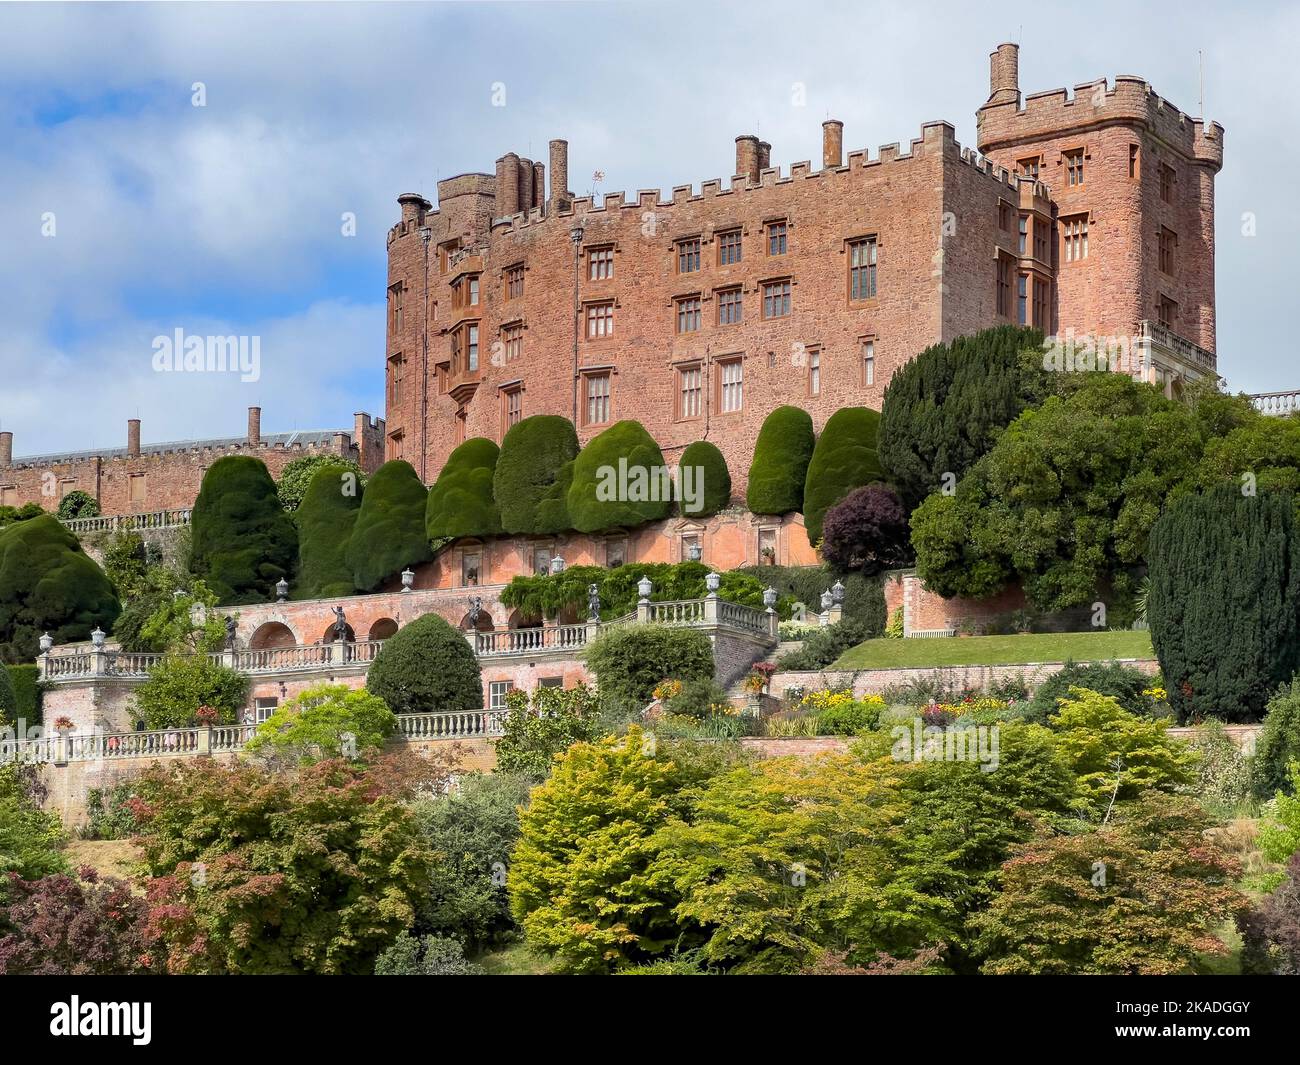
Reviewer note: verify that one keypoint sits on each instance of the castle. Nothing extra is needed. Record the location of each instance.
(697, 314)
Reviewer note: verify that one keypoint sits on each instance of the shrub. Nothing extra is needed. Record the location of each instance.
(1117, 755)
(48, 584)
(535, 732)
(179, 684)
(425, 956)
(128, 559)
(1279, 835)
(460, 503)
(297, 475)
(78, 504)
(390, 533)
(1224, 604)
(8, 699)
(242, 541)
(75, 926)
(840, 714)
(1163, 896)
(1270, 931)
(698, 698)
(553, 507)
(1279, 740)
(866, 530)
(844, 459)
(327, 513)
(425, 667)
(827, 644)
(943, 409)
(325, 721)
(1124, 683)
(31, 840)
(1224, 776)
(11, 515)
(110, 813)
(624, 450)
(781, 455)
(471, 832)
(864, 598)
(711, 479)
(314, 870)
(630, 660)
(533, 453)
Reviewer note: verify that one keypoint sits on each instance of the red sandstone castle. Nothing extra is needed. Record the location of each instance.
(700, 313)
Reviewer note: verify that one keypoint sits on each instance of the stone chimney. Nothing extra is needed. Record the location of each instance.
(539, 184)
(560, 172)
(832, 143)
(525, 185)
(254, 426)
(413, 207)
(1004, 75)
(747, 157)
(508, 185)
(133, 438)
(6, 449)
(764, 156)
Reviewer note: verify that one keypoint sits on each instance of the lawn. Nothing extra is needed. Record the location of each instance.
(996, 650)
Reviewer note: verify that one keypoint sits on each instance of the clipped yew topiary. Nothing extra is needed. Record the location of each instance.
(709, 479)
(297, 474)
(780, 467)
(1224, 602)
(389, 534)
(533, 454)
(845, 458)
(619, 481)
(460, 503)
(242, 540)
(49, 584)
(426, 667)
(326, 517)
(8, 698)
(630, 660)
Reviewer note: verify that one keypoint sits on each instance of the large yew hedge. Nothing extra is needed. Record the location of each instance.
(709, 476)
(1224, 603)
(625, 447)
(389, 534)
(49, 584)
(781, 455)
(533, 453)
(426, 667)
(242, 540)
(844, 459)
(460, 502)
(326, 517)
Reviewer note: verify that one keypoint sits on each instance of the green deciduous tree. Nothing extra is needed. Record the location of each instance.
(389, 533)
(943, 409)
(326, 516)
(460, 503)
(179, 684)
(426, 667)
(325, 721)
(536, 730)
(31, 840)
(844, 459)
(629, 660)
(78, 504)
(533, 453)
(619, 481)
(709, 478)
(781, 455)
(297, 475)
(1278, 745)
(242, 541)
(1224, 602)
(48, 584)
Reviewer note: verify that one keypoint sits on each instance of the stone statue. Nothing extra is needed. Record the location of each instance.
(593, 602)
(340, 624)
(475, 610)
(230, 633)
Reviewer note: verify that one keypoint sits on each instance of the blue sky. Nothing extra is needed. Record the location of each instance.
(226, 218)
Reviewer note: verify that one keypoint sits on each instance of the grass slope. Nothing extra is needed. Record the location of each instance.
(997, 650)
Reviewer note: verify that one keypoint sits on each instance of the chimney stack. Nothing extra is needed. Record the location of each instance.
(832, 144)
(560, 193)
(508, 185)
(255, 426)
(764, 156)
(6, 449)
(525, 185)
(413, 207)
(133, 438)
(539, 184)
(1004, 75)
(747, 157)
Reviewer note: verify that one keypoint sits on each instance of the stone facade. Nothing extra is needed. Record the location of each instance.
(506, 302)
(140, 479)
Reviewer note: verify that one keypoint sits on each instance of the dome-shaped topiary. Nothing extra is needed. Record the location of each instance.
(781, 455)
(619, 481)
(326, 517)
(242, 541)
(704, 471)
(553, 506)
(389, 534)
(49, 584)
(426, 667)
(844, 459)
(532, 455)
(460, 503)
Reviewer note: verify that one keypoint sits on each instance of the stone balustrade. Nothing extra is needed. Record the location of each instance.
(1277, 404)
(80, 663)
(154, 519)
(224, 739)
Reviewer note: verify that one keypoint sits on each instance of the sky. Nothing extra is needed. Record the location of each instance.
(127, 212)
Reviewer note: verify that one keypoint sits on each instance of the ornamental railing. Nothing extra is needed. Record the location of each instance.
(154, 519)
(108, 662)
(538, 639)
(1277, 404)
(1166, 338)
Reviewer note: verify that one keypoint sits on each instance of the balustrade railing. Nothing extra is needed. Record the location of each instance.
(1277, 404)
(535, 639)
(679, 612)
(154, 519)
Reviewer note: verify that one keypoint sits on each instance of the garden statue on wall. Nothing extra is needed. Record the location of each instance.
(475, 611)
(340, 625)
(230, 633)
(593, 602)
